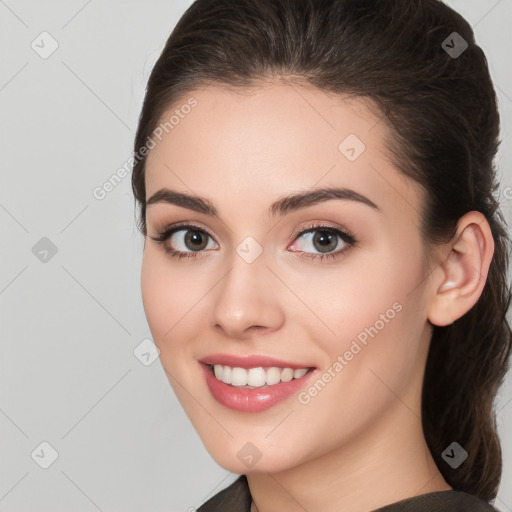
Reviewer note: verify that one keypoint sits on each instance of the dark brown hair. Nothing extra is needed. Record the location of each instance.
(442, 112)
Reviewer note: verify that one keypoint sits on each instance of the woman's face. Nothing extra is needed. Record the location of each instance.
(332, 283)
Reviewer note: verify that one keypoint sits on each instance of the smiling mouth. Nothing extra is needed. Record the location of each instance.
(257, 377)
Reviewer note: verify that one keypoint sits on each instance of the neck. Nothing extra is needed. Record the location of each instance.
(399, 465)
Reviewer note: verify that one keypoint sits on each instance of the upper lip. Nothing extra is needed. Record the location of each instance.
(251, 361)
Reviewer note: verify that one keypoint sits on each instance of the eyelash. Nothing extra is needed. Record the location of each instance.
(164, 235)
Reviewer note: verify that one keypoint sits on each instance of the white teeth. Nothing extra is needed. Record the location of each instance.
(297, 374)
(218, 370)
(256, 377)
(226, 374)
(287, 375)
(238, 377)
(273, 376)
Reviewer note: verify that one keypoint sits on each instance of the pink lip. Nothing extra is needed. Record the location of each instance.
(256, 399)
(251, 361)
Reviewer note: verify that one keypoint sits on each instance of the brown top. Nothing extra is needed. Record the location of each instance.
(237, 498)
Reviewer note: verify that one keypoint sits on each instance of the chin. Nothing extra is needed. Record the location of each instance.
(247, 458)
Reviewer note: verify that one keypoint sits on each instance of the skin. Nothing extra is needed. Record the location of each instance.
(358, 444)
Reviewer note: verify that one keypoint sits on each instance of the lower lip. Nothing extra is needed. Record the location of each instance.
(252, 400)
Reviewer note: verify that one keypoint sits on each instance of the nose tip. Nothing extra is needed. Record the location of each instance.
(245, 303)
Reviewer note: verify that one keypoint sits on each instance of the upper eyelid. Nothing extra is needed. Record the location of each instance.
(325, 225)
(318, 227)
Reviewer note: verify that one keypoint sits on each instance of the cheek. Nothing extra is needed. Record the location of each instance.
(380, 330)
(349, 298)
(170, 315)
(154, 296)
(174, 303)
(164, 301)
(372, 315)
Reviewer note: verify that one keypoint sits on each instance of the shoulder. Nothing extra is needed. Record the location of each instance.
(440, 501)
(235, 497)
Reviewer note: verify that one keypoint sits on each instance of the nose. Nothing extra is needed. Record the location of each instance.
(247, 300)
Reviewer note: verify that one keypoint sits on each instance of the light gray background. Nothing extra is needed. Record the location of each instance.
(68, 374)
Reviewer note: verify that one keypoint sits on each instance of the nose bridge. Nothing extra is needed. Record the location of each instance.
(246, 295)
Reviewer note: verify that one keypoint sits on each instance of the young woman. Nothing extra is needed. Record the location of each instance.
(325, 260)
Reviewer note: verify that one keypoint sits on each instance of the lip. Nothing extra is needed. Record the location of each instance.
(257, 399)
(252, 361)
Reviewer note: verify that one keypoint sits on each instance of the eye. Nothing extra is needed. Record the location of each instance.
(189, 241)
(185, 240)
(324, 239)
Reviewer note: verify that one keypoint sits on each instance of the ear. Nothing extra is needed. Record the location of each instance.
(463, 270)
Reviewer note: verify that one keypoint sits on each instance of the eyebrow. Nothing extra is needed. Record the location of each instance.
(280, 207)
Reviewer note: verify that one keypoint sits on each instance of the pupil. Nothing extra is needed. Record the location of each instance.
(195, 239)
(325, 240)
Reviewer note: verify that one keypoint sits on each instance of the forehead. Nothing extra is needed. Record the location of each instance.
(257, 144)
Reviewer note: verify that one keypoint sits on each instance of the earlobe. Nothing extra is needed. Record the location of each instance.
(463, 270)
